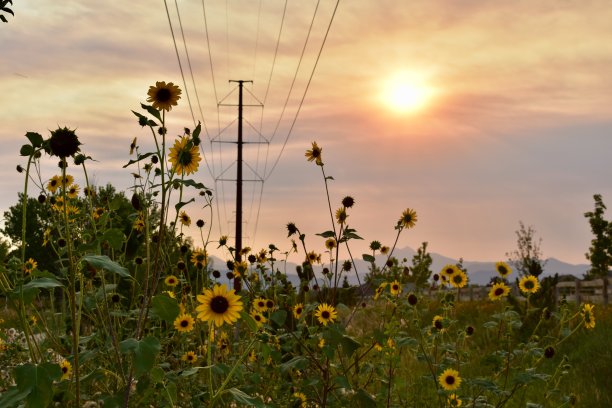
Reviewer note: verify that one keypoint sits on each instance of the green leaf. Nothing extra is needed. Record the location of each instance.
(165, 308)
(248, 319)
(490, 325)
(363, 399)
(181, 204)
(243, 398)
(44, 283)
(104, 262)
(192, 183)
(26, 150)
(151, 110)
(350, 234)
(342, 381)
(36, 381)
(196, 132)
(115, 238)
(139, 158)
(279, 317)
(406, 341)
(296, 363)
(35, 138)
(157, 374)
(143, 352)
(349, 345)
(368, 258)
(327, 234)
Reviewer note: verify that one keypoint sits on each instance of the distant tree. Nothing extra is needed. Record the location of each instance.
(600, 252)
(4, 9)
(5, 249)
(421, 264)
(527, 258)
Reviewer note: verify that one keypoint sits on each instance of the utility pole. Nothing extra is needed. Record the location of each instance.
(239, 143)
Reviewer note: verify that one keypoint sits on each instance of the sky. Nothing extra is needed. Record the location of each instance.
(508, 114)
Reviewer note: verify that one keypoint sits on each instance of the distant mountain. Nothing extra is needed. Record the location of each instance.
(479, 272)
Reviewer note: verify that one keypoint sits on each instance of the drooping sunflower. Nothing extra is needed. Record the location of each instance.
(219, 305)
(449, 379)
(499, 291)
(171, 281)
(184, 156)
(503, 269)
(529, 284)
(588, 316)
(408, 218)
(395, 288)
(185, 219)
(163, 96)
(459, 280)
(297, 310)
(29, 266)
(184, 323)
(325, 313)
(314, 154)
(66, 368)
(189, 357)
(62, 143)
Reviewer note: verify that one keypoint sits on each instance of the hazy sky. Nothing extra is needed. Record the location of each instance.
(513, 121)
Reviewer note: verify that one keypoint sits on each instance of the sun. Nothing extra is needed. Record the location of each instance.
(406, 93)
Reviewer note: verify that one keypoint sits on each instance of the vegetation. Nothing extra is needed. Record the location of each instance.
(130, 312)
(600, 251)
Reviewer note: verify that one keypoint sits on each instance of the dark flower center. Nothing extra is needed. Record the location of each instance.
(258, 318)
(449, 271)
(298, 310)
(269, 304)
(184, 323)
(502, 270)
(219, 304)
(438, 324)
(395, 287)
(498, 292)
(529, 284)
(450, 380)
(457, 279)
(64, 369)
(163, 95)
(185, 158)
(325, 314)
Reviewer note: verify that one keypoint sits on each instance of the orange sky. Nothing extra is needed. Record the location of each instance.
(518, 128)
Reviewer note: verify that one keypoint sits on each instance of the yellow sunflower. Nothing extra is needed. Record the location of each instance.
(260, 304)
(408, 218)
(189, 357)
(459, 279)
(454, 401)
(184, 156)
(185, 219)
(314, 154)
(297, 310)
(341, 215)
(449, 379)
(184, 323)
(163, 96)
(379, 290)
(384, 250)
(438, 323)
(395, 288)
(312, 257)
(66, 368)
(449, 270)
(589, 316)
(499, 291)
(219, 305)
(330, 243)
(198, 258)
(300, 399)
(139, 224)
(54, 184)
(29, 266)
(66, 181)
(529, 284)
(73, 191)
(258, 317)
(503, 269)
(326, 314)
(171, 281)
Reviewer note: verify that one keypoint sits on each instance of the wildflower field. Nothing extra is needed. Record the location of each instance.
(131, 313)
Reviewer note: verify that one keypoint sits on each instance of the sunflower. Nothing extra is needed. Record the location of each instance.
(260, 304)
(300, 399)
(379, 290)
(326, 313)
(29, 266)
(189, 357)
(449, 379)
(588, 316)
(163, 96)
(459, 280)
(66, 181)
(449, 270)
(384, 250)
(73, 191)
(184, 323)
(184, 156)
(341, 215)
(54, 184)
(66, 368)
(258, 317)
(330, 243)
(454, 401)
(499, 291)
(198, 258)
(408, 218)
(219, 305)
(438, 323)
(63, 143)
(98, 212)
(269, 304)
(314, 154)
(503, 269)
(529, 284)
(223, 343)
(396, 288)
(171, 281)
(185, 219)
(139, 224)
(297, 310)
(312, 257)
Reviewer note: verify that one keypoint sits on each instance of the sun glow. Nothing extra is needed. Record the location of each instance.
(406, 93)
